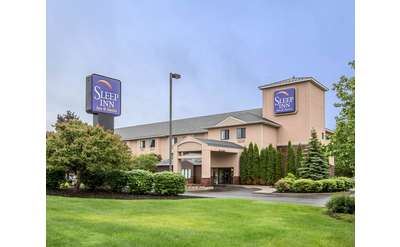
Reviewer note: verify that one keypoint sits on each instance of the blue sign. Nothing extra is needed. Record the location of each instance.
(103, 95)
(285, 101)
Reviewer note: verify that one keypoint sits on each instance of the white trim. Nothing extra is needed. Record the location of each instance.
(220, 124)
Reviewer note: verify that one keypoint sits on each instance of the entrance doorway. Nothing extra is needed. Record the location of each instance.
(222, 175)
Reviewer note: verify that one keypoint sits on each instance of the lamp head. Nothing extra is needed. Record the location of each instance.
(175, 76)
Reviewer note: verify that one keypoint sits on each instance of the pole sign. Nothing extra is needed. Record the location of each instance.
(285, 101)
(103, 95)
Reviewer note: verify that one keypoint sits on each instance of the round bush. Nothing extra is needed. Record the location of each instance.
(303, 185)
(340, 185)
(93, 179)
(349, 182)
(328, 185)
(317, 186)
(284, 185)
(169, 183)
(54, 178)
(117, 180)
(341, 204)
(139, 181)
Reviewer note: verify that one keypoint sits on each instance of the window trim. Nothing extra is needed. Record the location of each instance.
(151, 142)
(238, 131)
(144, 144)
(222, 134)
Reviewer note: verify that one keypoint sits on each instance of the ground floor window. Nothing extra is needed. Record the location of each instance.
(187, 173)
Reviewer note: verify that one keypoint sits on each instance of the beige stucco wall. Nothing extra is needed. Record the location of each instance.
(219, 159)
(310, 113)
(260, 134)
(162, 145)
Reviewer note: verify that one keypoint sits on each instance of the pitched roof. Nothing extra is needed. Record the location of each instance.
(294, 80)
(190, 125)
(217, 143)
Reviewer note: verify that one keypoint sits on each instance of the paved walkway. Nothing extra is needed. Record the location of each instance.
(263, 193)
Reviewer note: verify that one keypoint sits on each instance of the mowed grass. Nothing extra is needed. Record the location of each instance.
(191, 222)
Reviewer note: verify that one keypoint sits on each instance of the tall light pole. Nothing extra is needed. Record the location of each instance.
(171, 76)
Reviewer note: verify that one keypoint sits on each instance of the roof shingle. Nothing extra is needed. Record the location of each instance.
(190, 125)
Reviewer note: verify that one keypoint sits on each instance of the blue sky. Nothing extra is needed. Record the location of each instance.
(223, 49)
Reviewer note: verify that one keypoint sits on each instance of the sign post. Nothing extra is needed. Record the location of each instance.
(103, 99)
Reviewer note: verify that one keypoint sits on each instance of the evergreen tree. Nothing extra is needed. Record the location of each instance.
(255, 176)
(298, 160)
(270, 171)
(291, 159)
(243, 166)
(250, 161)
(314, 165)
(263, 165)
(277, 165)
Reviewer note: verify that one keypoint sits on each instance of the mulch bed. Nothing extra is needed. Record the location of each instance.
(112, 195)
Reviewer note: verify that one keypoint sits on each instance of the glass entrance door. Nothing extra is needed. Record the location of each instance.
(222, 175)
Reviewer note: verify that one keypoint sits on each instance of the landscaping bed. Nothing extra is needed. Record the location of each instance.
(105, 194)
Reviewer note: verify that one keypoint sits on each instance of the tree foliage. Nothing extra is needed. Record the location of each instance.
(342, 143)
(314, 165)
(146, 162)
(78, 147)
(291, 159)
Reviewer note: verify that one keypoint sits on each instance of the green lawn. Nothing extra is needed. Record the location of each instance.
(191, 222)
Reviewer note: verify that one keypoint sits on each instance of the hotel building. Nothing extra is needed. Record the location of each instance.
(206, 149)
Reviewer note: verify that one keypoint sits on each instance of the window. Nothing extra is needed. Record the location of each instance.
(142, 144)
(174, 140)
(187, 173)
(241, 133)
(152, 143)
(224, 134)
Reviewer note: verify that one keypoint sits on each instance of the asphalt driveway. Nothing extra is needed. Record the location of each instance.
(226, 191)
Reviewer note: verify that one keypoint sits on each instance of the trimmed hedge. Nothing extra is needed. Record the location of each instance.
(290, 184)
(116, 180)
(93, 179)
(139, 181)
(54, 178)
(284, 184)
(303, 185)
(169, 183)
(341, 204)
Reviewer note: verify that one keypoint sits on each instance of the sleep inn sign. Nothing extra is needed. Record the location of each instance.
(104, 95)
(285, 101)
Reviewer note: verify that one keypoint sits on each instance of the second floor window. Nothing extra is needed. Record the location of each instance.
(174, 140)
(224, 134)
(142, 144)
(241, 133)
(152, 143)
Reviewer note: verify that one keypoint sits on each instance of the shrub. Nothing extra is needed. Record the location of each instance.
(93, 179)
(341, 204)
(146, 162)
(54, 178)
(139, 181)
(349, 182)
(317, 186)
(340, 185)
(328, 185)
(117, 180)
(303, 185)
(290, 176)
(284, 184)
(169, 183)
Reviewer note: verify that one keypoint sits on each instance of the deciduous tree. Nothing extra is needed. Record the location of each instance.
(78, 147)
(342, 142)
